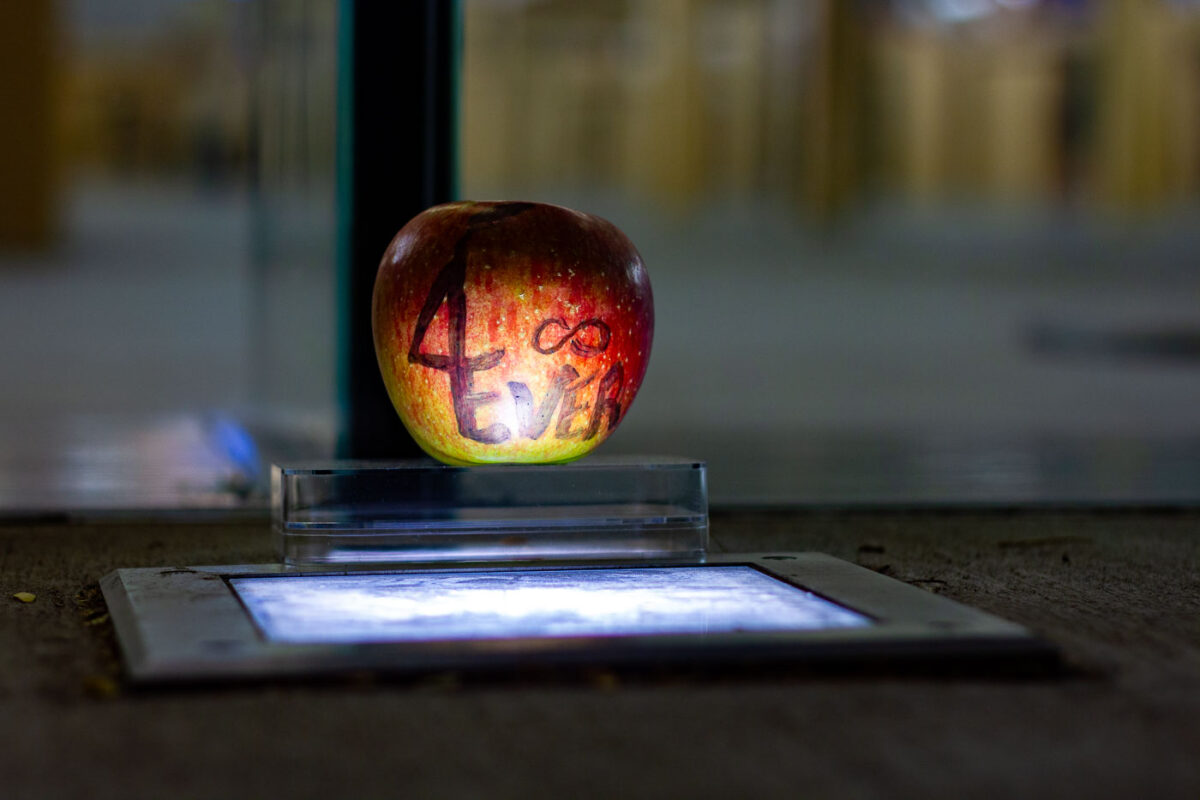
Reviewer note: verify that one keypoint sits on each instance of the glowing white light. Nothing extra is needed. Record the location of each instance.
(533, 603)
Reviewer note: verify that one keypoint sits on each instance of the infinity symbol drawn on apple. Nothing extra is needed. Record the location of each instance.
(572, 335)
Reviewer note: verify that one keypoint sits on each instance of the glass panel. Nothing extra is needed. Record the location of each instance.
(293, 379)
(130, 275)
(909, 251)
(124, 254)
(150, 308)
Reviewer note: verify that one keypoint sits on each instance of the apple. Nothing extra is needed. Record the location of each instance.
(511, 332)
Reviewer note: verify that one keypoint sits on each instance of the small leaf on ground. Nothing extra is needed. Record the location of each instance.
(100, 687)
(25, 597)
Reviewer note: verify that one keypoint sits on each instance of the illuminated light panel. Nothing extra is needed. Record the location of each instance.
(533, 603)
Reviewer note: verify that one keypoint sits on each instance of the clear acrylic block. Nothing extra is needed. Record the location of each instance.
(600, 508)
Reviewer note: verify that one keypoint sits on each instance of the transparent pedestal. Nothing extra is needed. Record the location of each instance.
(601, 508)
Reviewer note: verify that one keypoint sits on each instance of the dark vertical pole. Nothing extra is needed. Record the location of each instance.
(396, 135)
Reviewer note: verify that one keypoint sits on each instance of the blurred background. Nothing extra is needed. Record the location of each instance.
(903, 251)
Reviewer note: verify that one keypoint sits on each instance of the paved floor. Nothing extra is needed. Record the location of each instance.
(1117, 592)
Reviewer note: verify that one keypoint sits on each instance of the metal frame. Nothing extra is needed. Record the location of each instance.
(398, 76)
(187, 624)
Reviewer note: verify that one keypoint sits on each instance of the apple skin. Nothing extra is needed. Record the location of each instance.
(511, 332)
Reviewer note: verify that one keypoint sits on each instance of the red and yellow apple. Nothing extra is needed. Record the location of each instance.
(511, 332)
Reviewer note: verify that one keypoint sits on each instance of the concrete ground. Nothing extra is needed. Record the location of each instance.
(1117, 592)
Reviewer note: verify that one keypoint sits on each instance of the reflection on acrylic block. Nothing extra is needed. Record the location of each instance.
(604, 507)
